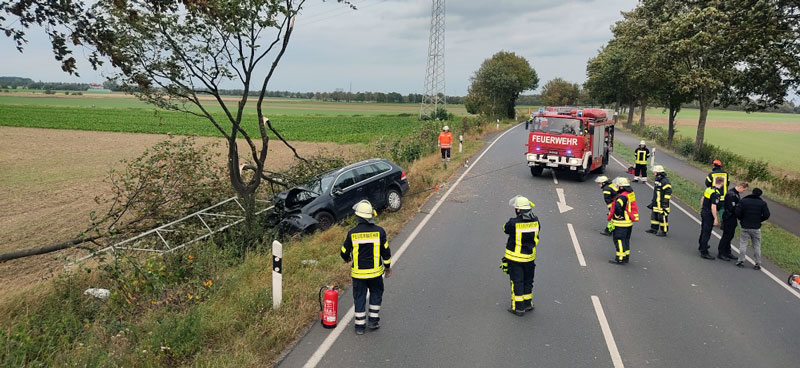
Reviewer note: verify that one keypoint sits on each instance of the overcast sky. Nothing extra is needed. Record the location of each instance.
(382, 46)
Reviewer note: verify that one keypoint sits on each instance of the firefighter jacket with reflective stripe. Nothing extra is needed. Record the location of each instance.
(662, 194)
(713, 175)
(609, 192)
(642, 155)
(367, 245)
(621, 213)
(523, 235)
(445, 139)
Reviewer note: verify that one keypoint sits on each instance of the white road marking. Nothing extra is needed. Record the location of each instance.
(612, 346)
(555, 180)
(562, 202)
(345, 321)
(780, 282)
(576, 245)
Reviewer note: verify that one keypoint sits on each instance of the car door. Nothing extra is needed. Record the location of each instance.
(373, 184)
(346, 193)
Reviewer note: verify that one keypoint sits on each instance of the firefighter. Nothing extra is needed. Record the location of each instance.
(718, 172)
(708, 215)
(729, 221)
(445, 140)
(520, 254)
(622, 214)
(642, 154)
(528, 122)
(373, 259)
(662, 193)
(609, 192)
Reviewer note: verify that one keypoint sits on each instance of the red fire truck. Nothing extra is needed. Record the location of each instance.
(569, 139)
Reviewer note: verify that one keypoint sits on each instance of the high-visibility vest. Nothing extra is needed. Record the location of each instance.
(629, 215)
(445, 139)
(522, 240)
(641, 156)
(369, 248)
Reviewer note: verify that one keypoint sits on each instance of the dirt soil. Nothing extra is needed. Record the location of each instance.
(49, 179)
(726, 124)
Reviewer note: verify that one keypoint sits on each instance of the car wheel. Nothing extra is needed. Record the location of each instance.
(394, 200)
(536, 170)
(325, 220)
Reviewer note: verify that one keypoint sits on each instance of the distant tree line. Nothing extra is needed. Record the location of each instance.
(17, 82)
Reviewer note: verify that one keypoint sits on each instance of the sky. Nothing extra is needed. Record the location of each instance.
(382, 46)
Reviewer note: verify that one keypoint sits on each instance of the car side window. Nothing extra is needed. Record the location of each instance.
(365, 172)
(345, 180)
(381, 167)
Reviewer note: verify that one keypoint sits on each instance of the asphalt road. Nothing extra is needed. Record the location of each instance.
(445, 305)
(780, 214)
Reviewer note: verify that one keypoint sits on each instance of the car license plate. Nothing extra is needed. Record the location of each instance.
(552, 164)
(553, 152)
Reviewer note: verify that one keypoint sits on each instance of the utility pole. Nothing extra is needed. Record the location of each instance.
(434, 72)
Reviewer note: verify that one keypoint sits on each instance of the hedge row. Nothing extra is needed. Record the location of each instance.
(748, 169)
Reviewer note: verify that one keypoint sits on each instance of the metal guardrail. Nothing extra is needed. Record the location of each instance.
(184, 231)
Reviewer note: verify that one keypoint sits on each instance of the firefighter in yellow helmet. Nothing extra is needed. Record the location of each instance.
(609, 192)
(518, 260)
(369, 245)
(662, 194)
(622, 214)
(641, 155)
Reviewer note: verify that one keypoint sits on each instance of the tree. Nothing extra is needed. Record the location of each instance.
(607, 80)
(731, 52)
(173, 52)
(558, 92)
(497, 84)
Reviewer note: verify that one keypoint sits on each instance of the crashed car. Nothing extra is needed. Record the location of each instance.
(330, 197)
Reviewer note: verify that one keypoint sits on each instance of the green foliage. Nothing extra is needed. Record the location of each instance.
(498, 83)
(440, 114)
(558, 92)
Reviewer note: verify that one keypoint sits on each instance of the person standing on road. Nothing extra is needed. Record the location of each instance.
(662, 194)
(641, 155)
(729, 221)
(622, 214)
(609, 193)
(751, 212)
(369, 245)
(520, 254)
(445, 141)
(709, 203)
(718, 172)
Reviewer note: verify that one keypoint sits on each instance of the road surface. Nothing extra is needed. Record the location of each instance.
(445, 305)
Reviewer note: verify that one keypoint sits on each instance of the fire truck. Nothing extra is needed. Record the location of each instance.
(569, 139)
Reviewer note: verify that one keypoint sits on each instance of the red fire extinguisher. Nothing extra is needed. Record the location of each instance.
(329, 305)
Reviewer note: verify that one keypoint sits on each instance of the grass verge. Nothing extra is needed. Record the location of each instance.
(777, 244)
(200, 306)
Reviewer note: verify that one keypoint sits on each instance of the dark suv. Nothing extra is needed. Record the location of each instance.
(330, 197)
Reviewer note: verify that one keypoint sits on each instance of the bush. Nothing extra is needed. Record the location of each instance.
(49, 92)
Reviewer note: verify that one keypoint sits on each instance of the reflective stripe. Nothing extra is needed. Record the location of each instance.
(360, 322)
(527, 296)
(373, 315)
(387, 262)
(374, 307)
(367, 274)
(641, 157)
(620, 252)
(360, 314)
(518, 257)
(344, 250)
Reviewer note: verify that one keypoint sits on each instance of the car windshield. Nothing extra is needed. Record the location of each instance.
(319, 185)
(549, 124)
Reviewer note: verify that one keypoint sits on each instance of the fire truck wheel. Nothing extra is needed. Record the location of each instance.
(582, 175)
(536, 170)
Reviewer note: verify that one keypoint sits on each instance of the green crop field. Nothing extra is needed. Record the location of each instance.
(778, 148)
(694, 114)
(338, 129)
(273, 106)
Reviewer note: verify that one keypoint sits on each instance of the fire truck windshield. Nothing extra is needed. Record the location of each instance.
(556, 125)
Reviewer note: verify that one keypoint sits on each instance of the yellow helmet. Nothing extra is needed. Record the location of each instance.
(601, 179)
(658, 169)
(447, 128)
(521, 203)
(642, 143)
(364, 209)
(622, 182)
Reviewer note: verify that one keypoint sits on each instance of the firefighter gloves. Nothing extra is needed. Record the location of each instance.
(504, 265)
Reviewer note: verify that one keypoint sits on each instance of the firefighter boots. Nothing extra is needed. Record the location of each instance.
(516, 312)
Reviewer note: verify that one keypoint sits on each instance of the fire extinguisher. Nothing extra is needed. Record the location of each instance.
(329, 305)
(794, 281)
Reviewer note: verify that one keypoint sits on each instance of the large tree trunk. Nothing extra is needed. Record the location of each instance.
(705, 103)
(631, 110)
(673, 111)
(642, 109)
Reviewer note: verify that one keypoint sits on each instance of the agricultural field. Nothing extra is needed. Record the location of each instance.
(772, 137)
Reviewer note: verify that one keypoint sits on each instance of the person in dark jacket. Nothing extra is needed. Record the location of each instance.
(709, 204)
(729, 221)
(751, 212)
(520, 254)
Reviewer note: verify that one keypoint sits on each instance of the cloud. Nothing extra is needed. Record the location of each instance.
(383, 45)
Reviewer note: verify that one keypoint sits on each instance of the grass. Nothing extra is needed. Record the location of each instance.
(273, 106)
(184, 319)
(767, 117)
(777, 244)
(348, 129)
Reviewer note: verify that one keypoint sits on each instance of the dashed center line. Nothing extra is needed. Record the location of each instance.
(612, 345)
(576, 245)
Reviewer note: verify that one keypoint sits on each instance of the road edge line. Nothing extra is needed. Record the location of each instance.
(345, 321)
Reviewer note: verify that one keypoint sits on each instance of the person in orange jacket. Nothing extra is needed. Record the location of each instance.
(445, 141)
